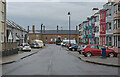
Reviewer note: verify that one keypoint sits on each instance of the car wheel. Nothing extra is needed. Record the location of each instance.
(111, 54)
(88, 54)
(79, 52)
(73, 49)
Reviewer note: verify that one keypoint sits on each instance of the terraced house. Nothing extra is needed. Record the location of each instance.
(109, 23)
(103, 27)
(80, 33)
(90, 30)
(117, 24)
(11, 34)
(2, 24)
(97, 28)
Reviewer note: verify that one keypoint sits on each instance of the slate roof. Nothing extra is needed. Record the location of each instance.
(14, 25)
(55, 32)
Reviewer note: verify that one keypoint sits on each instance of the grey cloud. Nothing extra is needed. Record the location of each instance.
(50, 14)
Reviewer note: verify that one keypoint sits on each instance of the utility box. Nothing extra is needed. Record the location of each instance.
(103, 52)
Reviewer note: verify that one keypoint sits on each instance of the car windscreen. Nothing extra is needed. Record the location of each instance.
(26, 44)
(85, 46)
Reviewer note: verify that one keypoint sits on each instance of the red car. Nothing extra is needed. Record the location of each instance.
(68, 45)
(96, 50)
(51, 42)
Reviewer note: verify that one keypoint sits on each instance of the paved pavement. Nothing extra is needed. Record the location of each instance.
(98, 60)
(55, 60)
(16, 57)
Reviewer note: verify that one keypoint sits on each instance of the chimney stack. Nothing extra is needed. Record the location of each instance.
(79, 26)
(115, 0)
(95, 10)
(57, 28)
(44, 29)
(28, 29)
(41, 27)
(111, 0)
(33, 28)
(76, 27)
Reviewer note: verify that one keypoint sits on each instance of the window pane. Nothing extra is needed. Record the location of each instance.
(100, 47)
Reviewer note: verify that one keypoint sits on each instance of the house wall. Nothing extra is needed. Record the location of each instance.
(10, 46)
(117, 24)
(80, 33)
(2, 23)
(0, 26)
(17, 32)
(63, 36)
(97, 25)
(102, 22)
(109, 19)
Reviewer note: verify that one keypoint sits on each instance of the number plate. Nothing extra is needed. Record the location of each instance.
(27, 48)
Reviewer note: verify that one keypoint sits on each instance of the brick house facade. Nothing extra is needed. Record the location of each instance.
(52, 35)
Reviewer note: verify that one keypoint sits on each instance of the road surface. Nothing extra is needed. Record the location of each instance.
(55, 60)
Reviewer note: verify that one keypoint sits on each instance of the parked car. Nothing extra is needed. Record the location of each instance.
(73, 48)
(34, 45)
(71, 41)
(63, 43)
(37, 44)
(81, 47)
(68, 45)
(51, 42)
(58, 42)
(96, 50)
(25, 47)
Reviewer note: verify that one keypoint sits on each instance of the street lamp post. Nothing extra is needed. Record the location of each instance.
(23, 36)
(41, 31)
(69, 25)
(61, 33)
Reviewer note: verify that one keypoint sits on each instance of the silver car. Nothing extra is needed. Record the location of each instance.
(25, 47)
(81, 47)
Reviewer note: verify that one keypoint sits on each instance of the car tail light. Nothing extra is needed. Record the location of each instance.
(30, 46)
(83, 49)
(23, 46)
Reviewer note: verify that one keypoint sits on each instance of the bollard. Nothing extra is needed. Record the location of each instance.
(103, 52)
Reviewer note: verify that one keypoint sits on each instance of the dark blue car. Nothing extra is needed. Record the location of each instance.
(73, 48)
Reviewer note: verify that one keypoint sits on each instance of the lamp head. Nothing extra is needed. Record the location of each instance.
(68, 13)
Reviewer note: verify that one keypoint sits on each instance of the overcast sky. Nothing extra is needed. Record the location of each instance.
(50, 14)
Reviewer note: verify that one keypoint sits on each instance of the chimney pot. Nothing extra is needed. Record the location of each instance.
(109, 0)
(76, 28)
(44, 29)
(79, 26)
(33, 28)
(41, 27)
(57, 28)
(28, 29)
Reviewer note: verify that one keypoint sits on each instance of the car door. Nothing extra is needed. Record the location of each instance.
(100, 50)
(94, 50)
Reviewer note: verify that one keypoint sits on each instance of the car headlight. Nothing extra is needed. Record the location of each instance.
(70, 47)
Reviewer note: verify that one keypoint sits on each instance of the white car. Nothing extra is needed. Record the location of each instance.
(25, 47)
(63, 43)
(38, 43)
